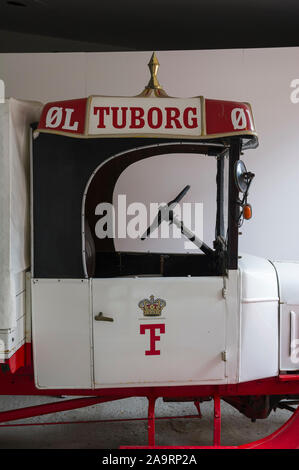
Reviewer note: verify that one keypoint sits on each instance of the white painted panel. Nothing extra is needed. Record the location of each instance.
(259, 279)
(259, 340)
(20, 305)
(289, 337)
(288, 277)
(258, 319)
(12, 339)
(61, 333)
(19, 334)
(190, 349)
(20, 282)
(232, 298)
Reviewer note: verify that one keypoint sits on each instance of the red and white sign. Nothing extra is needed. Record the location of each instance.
(152, 117)
(64, 117)
(226, 117)
(145, 116)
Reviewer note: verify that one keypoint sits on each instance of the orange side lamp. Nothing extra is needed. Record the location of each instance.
(247, 211)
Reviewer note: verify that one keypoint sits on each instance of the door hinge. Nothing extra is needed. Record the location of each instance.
(224, 356)
(224, 289)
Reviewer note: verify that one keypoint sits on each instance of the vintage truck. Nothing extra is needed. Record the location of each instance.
(80, 317)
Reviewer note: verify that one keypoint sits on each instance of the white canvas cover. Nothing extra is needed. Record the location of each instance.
(15, 119)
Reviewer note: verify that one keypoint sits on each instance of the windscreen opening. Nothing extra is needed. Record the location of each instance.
(126, 237)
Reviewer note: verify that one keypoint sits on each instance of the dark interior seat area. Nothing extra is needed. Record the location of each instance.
(115, 264)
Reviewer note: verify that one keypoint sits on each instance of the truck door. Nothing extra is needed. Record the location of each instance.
(155, 330)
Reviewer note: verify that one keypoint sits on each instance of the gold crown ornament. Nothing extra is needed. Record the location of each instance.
(152, 307)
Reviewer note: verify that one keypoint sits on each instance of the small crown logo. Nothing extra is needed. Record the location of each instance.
(152, 307)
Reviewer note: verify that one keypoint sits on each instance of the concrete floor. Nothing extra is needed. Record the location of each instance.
(236, 428)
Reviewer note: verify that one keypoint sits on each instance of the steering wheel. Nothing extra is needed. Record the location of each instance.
(163, 212)
(166, 213)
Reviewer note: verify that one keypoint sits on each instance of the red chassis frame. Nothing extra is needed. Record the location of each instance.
(19, 380)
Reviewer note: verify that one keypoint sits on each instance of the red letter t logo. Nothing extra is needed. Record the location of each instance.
(153, 338)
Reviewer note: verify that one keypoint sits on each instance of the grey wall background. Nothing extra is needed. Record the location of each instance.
(260, 76)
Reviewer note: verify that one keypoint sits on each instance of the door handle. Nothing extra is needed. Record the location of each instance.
(101, 317)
